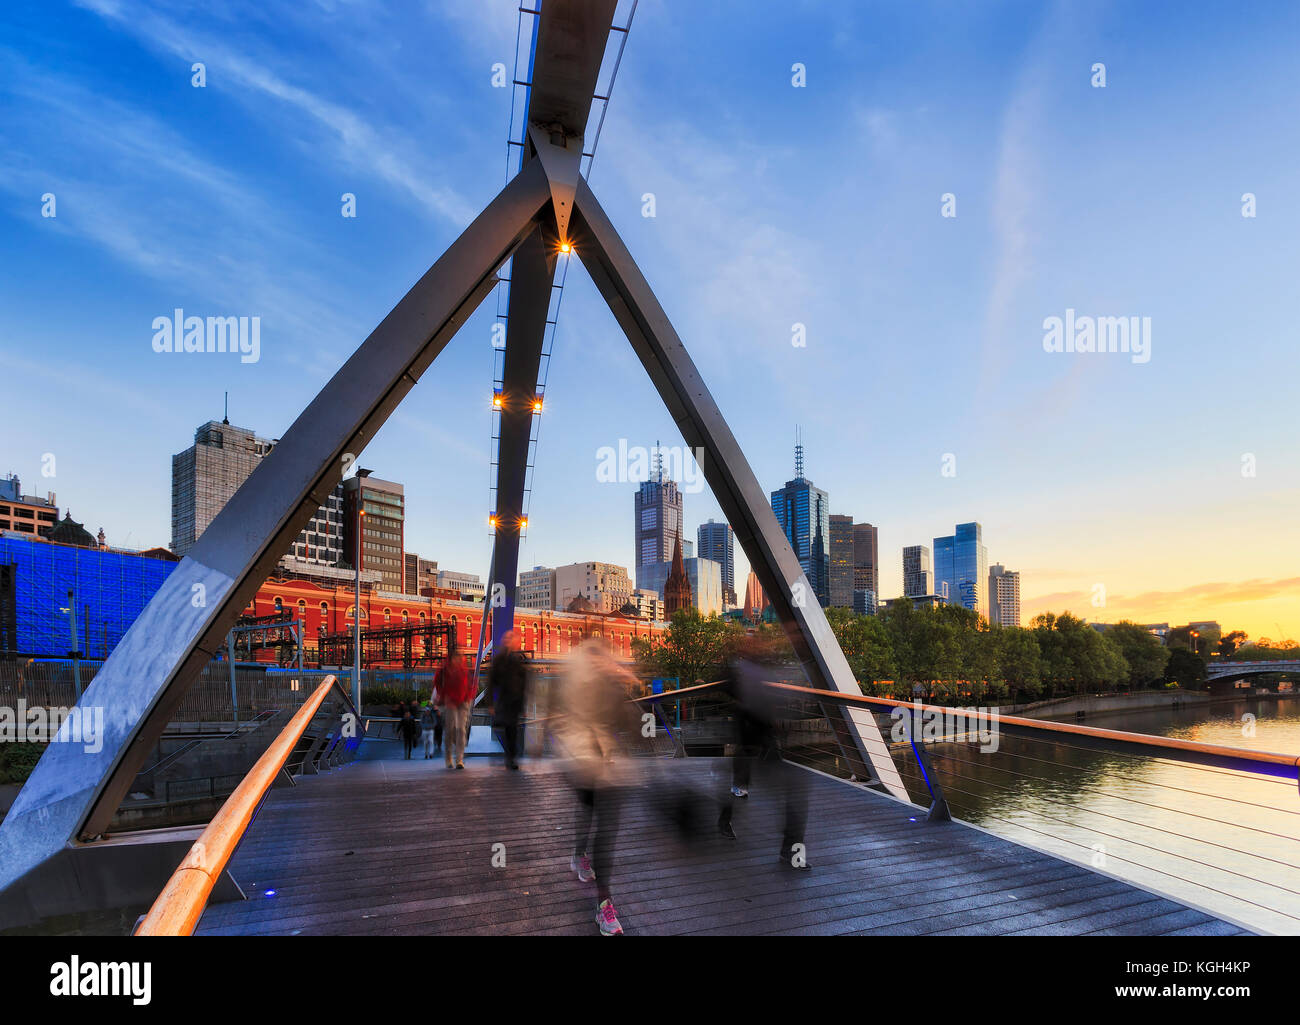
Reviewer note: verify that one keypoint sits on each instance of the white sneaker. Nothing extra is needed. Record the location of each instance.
(739, 792)
(582, 865)
(607, 919)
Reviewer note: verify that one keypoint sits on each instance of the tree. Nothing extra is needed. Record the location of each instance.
(1230, 642)
(1142, 650)
(693, 648)
(1185, 669)
(1020, 663)
(866, 645)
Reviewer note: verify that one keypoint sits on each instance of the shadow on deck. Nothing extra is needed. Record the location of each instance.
(405, 847)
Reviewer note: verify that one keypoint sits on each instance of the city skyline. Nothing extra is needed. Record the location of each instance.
(168, 199)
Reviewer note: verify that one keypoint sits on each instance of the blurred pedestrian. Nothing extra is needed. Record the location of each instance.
(455, 692)
(508, 686)
(429, 728)
(759, 739)
(591, 717)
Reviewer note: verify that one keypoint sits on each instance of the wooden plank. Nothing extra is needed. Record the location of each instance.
(404, 848)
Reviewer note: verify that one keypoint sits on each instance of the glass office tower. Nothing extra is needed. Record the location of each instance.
(962, 563)
(803, 512)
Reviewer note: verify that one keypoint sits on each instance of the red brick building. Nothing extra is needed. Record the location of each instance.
(328, 609)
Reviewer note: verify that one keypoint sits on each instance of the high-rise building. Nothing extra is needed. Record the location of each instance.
(961, 565)
(918, 576)
(803, 512)
(1004, 596)
(536, 589)
(864, 603)
(717, 542)
(866, 558)
(841, 553)
(755, 599)
(658, 520)
(603, 584)
(382, 527)
(207, 474)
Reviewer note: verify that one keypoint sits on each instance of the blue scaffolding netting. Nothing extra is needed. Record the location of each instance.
(109, 590)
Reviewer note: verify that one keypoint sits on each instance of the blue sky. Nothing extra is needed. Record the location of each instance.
(775, 205)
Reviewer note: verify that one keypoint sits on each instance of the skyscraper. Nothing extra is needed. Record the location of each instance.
(658, 519)
(918, 576)
(382, 527)
(1004, 596)
(962, 563)
(717, 541)
(803, 512)
(842, 552)
(208, 473)
(866, 558)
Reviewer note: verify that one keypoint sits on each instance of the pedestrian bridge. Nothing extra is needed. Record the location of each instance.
(1226, 669)
(374, 843)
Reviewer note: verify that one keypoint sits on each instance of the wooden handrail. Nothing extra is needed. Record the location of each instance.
(1173, 745)
(177, 910)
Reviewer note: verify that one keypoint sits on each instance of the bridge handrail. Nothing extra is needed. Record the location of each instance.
(179, 906)
(1270, 763)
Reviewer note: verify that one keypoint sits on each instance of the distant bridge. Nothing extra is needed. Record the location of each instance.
(1225, 670)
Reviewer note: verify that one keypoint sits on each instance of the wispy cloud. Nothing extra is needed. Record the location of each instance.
(361, 143)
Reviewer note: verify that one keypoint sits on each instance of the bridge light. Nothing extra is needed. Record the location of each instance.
(492, 520)
(537, 404)
(496, 400)
(523, 522)
(566, 248)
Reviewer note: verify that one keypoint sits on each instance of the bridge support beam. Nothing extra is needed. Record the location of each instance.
(728, 473)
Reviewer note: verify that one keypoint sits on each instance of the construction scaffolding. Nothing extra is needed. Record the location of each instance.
(409, 647)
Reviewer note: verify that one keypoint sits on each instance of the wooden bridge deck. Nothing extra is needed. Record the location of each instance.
(405, 847)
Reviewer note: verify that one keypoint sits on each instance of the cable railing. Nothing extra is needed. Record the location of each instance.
(179, 906)
(1212, 825)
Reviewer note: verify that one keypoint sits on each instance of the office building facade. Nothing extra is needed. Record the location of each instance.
(918, 574)
(606, 586)
(803, 512)
(961, 567)
(841, 554)
(717, 542)
(1004, 596)
(658, 504)
(382, 528)
(866, 558)
(536, 589)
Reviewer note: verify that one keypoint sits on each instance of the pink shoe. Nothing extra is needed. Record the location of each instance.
(607, 919)
(582, 865)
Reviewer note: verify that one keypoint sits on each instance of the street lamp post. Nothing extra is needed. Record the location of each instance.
(356, 613)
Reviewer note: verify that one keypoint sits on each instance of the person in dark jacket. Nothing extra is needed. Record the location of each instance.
(759, 739)
(409, 729)
(508, 685)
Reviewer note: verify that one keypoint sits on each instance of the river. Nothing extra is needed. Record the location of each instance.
(1225, 841)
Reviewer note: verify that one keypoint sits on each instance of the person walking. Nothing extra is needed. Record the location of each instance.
(508, 685)
(429, 728)
(455, 692)
(409, 729)
(590, 717)
(759, 739)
